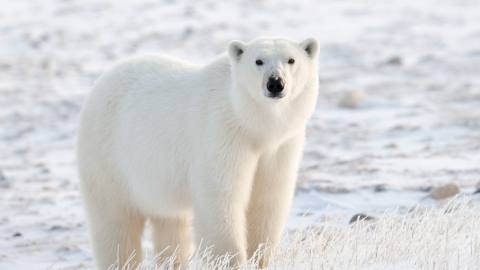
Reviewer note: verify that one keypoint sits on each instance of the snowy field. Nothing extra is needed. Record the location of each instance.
(418, 127)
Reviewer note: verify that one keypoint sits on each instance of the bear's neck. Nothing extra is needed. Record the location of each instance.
(270, 121)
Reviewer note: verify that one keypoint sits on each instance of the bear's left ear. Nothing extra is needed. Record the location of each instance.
(311, 47)
(236, 49)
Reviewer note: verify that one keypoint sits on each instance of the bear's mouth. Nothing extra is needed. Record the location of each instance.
(273, 95)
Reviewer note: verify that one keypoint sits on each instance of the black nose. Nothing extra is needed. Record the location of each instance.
(275, 85)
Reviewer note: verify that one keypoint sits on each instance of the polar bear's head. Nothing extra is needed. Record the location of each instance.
(274, 67)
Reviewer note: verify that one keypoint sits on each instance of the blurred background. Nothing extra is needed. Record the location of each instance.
(398, 113)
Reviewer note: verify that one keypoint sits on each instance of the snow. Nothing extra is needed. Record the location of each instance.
(419, 126)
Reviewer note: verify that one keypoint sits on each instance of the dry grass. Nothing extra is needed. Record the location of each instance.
(443, 238)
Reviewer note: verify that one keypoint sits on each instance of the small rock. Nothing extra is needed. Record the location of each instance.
(394, 61)
(392, 146)
(379, 188)
(352, 98)
(443, 192)
(331, 189)
(58, 228)
(17, 234)
(426, 189)
(398, 127)
(477, 188)
(4, 183)
(361, 217)
(403, 127)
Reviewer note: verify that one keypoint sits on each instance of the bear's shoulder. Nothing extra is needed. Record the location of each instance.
(218, 68)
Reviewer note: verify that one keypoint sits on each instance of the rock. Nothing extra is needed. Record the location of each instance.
(391, 146)
(4, 183)
(361, 217)
(477, 188)
(398, 127)
(352, 98)
(443, 192)
(17, 234)
(426, 189)
(331, 189)
(404, 127)
(58, 228)
(379, 188)
(394, 61)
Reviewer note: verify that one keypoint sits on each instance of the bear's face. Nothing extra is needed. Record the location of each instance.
(274, 68)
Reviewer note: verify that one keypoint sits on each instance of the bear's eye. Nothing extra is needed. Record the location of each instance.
(259, 62)
(291, 61)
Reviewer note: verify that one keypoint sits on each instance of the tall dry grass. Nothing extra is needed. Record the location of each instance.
(447, 237)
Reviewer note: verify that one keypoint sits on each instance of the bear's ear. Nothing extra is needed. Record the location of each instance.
(236, 49)
(311, 47)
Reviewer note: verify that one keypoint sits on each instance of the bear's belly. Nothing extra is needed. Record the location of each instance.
(163, 193)
(156, 174)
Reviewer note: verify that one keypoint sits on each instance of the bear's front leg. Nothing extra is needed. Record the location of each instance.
(272, 193)
(221, 184)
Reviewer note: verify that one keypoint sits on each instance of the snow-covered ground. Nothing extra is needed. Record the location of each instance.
(418, 63)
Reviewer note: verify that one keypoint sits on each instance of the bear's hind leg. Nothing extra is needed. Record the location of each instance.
(116, 232)
(174, 233)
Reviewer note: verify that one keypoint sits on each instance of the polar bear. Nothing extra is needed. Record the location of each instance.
(209, 154)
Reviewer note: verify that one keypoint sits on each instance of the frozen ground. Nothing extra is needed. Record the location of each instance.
(417, 61)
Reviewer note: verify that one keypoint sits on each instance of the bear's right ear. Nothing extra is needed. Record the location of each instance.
(311, 47)
(236, 49)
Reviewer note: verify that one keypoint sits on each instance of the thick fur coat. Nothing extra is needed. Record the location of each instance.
(203, 152)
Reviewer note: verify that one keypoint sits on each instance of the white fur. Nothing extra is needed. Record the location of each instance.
(184, 145)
